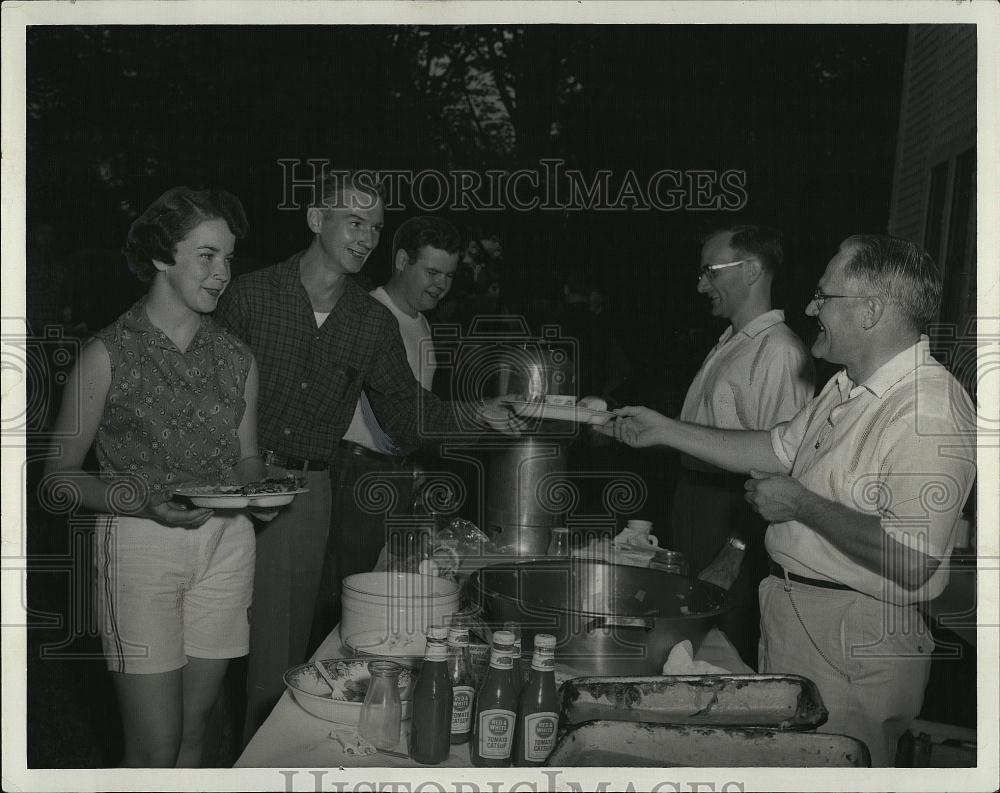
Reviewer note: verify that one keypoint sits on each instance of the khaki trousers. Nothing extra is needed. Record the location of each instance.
(877, 662)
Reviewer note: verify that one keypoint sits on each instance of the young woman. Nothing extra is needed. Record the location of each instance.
(167, 397)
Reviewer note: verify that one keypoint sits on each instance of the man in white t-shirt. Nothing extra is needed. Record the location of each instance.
(425, 252)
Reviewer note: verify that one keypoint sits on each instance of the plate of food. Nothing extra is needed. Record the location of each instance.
(273, 492)
(560, 408)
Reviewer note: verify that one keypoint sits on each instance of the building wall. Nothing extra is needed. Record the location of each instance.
(937, 117)
(934, 182)
(933, 200)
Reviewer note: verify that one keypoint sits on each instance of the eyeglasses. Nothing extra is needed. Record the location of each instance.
(820, 297)
(709, 270)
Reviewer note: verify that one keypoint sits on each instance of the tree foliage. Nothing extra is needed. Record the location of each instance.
(116, 114)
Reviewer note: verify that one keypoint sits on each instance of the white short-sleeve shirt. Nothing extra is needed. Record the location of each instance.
(901, 446)
(752, 379)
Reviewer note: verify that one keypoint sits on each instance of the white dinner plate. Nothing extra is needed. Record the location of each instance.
(406, 648)
(209, 497)
(546, 411)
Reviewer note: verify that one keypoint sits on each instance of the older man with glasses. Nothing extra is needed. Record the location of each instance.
(863, 489)
(758, 375)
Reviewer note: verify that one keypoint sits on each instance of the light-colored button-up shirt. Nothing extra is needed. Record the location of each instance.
(752, 379)
(901, 445)
(416, 332)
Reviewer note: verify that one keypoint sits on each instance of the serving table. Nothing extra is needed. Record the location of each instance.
(292, 738)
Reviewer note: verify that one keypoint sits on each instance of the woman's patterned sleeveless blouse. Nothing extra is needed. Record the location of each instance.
(171, 417)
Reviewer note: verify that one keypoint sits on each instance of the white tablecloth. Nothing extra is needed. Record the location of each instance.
(292, 738)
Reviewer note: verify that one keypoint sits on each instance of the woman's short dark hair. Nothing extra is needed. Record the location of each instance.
(423, 230)
(154, 235)
(898, 271)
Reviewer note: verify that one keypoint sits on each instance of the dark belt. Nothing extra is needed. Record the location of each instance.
(780, 572)
(294, 463)
(392, 460)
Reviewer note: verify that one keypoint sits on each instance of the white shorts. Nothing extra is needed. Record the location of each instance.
(164, 593)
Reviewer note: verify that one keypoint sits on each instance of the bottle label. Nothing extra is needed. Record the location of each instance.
(543, 661)
(496, 733)
(539, 735)
(502, 660)
(461, 709)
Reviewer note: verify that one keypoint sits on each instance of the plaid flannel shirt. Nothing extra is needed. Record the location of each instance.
(311, 377)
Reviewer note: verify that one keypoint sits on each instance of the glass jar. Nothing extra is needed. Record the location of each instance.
(382, 711)
(558, 542)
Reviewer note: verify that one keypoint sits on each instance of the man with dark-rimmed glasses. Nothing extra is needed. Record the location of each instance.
(863, 489)
(757, 375)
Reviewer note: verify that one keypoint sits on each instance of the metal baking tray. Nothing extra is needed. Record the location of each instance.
(782, 702)
(641, 745)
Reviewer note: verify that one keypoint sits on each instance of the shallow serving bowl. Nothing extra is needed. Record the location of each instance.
(608, 619)
(350, 677)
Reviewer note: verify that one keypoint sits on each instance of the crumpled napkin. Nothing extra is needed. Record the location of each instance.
(352, 743)
(604, 550)
(681, 662)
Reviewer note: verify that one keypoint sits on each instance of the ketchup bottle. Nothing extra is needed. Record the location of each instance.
(462, 684)
(430, 727)
(496, 707)
(520, 665)
(538, 706)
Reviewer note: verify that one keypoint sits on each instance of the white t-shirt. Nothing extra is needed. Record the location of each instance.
(416, 333)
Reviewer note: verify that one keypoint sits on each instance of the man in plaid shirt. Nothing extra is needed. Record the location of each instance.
(318, 339)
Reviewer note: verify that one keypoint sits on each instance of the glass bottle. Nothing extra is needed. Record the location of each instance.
(496, 707)
(520, 670)
(381, 712)
(538, 707)
(462, 684)
(430, 728)
(438, 634)
(724, 569)
(558, 543)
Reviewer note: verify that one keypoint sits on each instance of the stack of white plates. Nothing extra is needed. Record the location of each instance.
(387, 613)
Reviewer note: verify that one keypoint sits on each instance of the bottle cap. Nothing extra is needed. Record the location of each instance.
(559, 530)
(545, 641)
(640, 524)
(503, 637)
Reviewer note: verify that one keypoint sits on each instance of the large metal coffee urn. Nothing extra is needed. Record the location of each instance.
(526, 493)
(526, 488)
